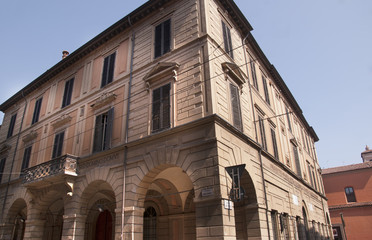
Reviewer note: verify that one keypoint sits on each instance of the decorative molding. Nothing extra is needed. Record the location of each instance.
(64, 119)
(233, 70)
(159, 71)
(104, 99)
(5, 148)
(30, 136)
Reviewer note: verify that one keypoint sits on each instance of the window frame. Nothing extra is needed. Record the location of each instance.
(161, 108)
(254, 74)
(103, 131)
(67, 94)
(261, 126)
(26, 157)
(11, 125)
(108, 69)
(226, 34)
(37, 109)
(165, 37)
(236, 111)
(58, 144)
(266, 89)
(350, 197)
(275, 143)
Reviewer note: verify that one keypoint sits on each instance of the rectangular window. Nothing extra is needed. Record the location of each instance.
(297, 160)
(26, 157)
(11, 126)
(274, 225)
(275, 146)
(350, 195)
(103, 131)
(58, 144)
(162, 38)
(266, 90)
(108, 69)
(35, 116)
(161, 108)
(67, 93)
(288, 119)
(2, 166)
(254, 76)
(262, 132)
(227, 40)
(235, 105)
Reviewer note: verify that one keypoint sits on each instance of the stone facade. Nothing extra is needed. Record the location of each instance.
(156, 111)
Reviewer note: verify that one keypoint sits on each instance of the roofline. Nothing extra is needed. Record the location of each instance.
(118, 27)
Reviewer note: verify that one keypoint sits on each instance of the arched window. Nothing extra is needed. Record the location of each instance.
(149, 224)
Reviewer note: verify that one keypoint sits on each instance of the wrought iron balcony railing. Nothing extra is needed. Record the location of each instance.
(64, 165)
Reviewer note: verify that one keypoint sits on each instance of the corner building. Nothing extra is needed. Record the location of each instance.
(170, 124)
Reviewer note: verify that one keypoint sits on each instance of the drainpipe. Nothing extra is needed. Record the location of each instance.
(14, 155)
(126, 136)
(255, 130)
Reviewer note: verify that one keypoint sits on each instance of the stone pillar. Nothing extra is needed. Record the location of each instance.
(34, 229)
(213, 220)
(133, 222)
(6, 230)
(73, 227)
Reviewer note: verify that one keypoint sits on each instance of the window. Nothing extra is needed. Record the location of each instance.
(11, 126)
(35, 117)
(274, 225)
(2, 166)
(108, 69)
(266, 90)
(149, 223)
(254, 76)
(350, 195)
(235, 106)
(227, 40)
(103, 131)
(275, 146)
(296, 159)
(288, 119)
(162, 38)
(161, 108)
(262, 132)
(26, 157)
(58, 144)
(68, 93)
(311, 180)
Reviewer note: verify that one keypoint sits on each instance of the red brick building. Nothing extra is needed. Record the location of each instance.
(349, 192)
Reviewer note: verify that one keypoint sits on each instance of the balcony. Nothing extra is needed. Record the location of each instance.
(51, 172)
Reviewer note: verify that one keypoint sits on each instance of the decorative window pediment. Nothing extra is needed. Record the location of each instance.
(161, 70)
(233, 70)
(103, 100)
(64, 119)
(5, 148)
(30, 136)
(294, 142)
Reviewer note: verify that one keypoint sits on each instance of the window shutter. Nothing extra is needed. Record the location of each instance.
(26, 157)
(35, 117)
(165, 123)
(11, 126)
(167, 36)
(224, 36)
(98, 134)
(58, 145)
(275, 146)
(158, 40)
(104, 72)
(67, 93)
(109, 128)
(111, 67)
(156, 109)
(2, 166)
(235, 104)
(230, 49)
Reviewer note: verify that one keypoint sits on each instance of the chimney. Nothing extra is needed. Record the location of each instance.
(367, 155)
(65, 54)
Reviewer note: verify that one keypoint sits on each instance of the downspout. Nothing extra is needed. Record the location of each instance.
(14, 155)
(126, 135)
(255, 130)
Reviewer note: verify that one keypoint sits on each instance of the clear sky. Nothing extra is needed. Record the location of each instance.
(322, 49)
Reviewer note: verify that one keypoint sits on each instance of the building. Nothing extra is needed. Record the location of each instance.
(170, 124)
(349, 192)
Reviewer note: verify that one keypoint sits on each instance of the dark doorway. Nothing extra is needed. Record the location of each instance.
(104, 226)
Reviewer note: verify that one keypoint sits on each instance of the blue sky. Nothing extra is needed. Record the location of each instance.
(320, 48)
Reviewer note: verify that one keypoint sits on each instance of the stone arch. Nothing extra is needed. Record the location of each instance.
(169, 191)
(98, 198)
(15, 220)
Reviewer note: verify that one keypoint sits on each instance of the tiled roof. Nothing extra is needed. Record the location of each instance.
(346, 168)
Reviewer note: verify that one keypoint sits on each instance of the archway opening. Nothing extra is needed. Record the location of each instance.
(17, 219)
(54, 221)
(169, 205)
(104, 226)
